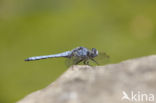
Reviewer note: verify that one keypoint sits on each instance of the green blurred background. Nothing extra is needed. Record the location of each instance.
(123, 28)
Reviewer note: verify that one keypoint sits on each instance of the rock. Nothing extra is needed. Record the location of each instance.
(132, 79)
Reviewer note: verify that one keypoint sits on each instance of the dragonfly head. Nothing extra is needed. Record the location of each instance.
(94, 52)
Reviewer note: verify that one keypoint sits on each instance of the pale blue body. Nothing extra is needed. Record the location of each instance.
(79, 53)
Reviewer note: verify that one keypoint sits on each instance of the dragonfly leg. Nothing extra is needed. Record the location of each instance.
(78, 61)
(95, 61)
(86, 62)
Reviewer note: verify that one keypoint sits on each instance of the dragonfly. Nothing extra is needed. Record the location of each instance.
(75, 56)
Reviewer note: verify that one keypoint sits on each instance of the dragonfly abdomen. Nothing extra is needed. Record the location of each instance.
(64, 54)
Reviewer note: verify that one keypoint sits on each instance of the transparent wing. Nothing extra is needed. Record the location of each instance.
(102, 58)
(72, 61)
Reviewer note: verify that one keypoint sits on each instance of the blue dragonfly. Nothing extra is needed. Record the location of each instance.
(75, 56)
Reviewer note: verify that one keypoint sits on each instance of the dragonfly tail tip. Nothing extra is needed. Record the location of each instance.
(27, 59)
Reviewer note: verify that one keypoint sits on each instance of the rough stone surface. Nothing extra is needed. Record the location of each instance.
(102, 84)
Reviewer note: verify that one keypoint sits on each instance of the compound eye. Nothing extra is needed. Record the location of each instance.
(94, 50)
(88, 53)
